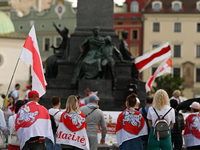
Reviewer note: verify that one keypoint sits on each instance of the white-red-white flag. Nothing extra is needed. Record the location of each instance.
(165, 67)
(145, 61)
(30, 54)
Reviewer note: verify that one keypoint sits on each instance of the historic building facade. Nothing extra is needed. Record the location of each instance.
(176, 21)
(60, 12)
(130, 19)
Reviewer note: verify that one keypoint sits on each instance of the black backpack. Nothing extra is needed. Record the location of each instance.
(53, 123)
(144, 114)
(161, 128)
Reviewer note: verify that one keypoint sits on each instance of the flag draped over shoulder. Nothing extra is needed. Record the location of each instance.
(30, 54)
(130, 125)
(165, 67)
(33, 120)
(72, 130)
(145, 61)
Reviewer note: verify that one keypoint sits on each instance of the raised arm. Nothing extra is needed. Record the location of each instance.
(57, 29)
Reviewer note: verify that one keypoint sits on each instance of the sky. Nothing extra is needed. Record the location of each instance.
(119, 2)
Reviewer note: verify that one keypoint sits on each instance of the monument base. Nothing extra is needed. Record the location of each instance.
(110, 100)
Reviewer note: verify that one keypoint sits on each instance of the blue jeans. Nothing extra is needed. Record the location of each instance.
(50, 145)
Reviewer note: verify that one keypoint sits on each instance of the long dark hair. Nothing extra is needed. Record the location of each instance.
(13, 103)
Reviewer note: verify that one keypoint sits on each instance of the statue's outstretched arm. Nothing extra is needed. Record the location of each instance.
(57, 29)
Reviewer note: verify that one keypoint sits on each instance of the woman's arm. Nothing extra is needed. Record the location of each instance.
(171, 125)
(150, 123)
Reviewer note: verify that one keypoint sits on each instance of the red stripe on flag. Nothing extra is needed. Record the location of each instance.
(144, 62)
(150, 81)
(36, 60)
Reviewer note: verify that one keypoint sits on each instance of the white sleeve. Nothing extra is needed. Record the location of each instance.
(173, 116)
(15, 94)
(149, 117)
(2, 121)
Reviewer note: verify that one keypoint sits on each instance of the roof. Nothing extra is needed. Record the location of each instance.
(188, 6)
(6, 25)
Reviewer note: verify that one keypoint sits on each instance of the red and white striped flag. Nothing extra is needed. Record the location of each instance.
(30, 54)
(145, 61)
(165, 67)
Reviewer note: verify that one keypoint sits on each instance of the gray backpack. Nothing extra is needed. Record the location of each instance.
(161, 128)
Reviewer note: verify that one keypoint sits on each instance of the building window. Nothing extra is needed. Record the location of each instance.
(198, 27)
(57, 41)
(177, 27)
(177, 72)
(198, 51)
(177, 51)
(134, 49)
(134, 35)
(134, 7)
(156, 8)
(119, 33)
(198, 75)
(153, 70)
(177, 7)
(46, 44)
(198, 5)
(156, 27)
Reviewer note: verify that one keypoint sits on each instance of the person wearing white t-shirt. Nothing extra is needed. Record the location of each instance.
(55, 111)
(176, 96)
(162, 106)
(15, 93)
(11, 123)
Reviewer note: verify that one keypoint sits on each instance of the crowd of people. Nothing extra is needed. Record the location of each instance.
(156, 126)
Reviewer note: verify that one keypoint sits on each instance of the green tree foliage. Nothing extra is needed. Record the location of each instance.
(169, 84)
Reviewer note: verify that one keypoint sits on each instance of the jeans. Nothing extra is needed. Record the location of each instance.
(50, 145)
(177, 141)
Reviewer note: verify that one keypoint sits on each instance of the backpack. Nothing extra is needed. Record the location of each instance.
(13, 137)
(53, 123)
(144, 114)
(161, 128)
(10, 94)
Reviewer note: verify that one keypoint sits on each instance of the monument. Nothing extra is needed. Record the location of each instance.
(112, 90)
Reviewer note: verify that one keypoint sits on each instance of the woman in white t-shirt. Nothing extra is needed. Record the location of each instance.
(55, 111)
(162, 106)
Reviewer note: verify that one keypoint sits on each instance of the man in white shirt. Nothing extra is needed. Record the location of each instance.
(15, 93)
(176, 96)
(56, 113)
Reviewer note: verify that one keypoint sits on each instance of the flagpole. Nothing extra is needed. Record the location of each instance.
(10, 83)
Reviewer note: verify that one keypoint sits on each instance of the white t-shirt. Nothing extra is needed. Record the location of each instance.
(27, 91)
(52, 111)
(2, 121)
(179, 100)
(11, 122)
(170, 117)
(15, 94)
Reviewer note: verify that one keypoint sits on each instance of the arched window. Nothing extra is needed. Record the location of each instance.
(156, 7)
(134, 6)
(177, 7)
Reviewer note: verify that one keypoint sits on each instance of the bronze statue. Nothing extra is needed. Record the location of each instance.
(62, 49)
(87, 66)
(124, 47)
(60, 52)
(105, 55)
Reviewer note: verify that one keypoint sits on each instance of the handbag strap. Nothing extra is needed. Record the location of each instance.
(90, 112)
(164, 115)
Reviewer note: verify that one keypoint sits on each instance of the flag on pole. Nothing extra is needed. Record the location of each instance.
(30, 54)
(145, 61)
(165, 67)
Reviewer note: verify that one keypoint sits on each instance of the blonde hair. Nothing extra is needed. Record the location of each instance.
(160, 99)
(72, 103)
(176, 91)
